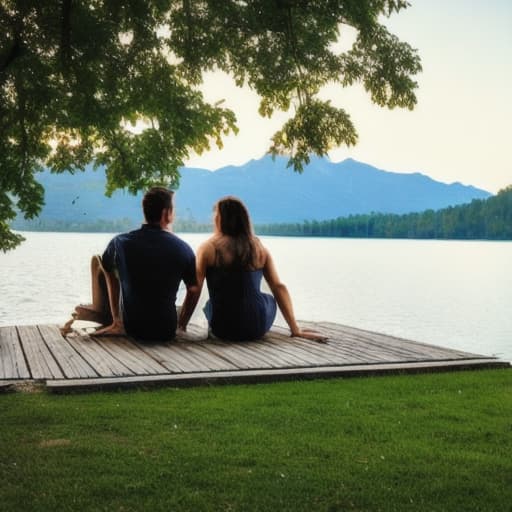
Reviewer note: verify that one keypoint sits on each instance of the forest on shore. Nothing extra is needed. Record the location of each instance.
(485, 219)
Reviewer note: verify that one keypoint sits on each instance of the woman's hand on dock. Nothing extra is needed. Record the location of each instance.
(309, 334)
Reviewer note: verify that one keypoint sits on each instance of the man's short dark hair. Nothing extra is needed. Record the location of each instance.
(154, 201)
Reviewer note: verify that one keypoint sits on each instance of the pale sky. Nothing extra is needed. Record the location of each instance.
(460, 128)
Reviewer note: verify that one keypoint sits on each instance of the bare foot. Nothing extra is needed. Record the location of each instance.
(66, 328)
(115, 329)
(88, 313)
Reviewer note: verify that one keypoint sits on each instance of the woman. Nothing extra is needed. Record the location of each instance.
(233, 261)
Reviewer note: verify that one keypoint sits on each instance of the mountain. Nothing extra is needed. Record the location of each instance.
(272, 193)
(325, 190)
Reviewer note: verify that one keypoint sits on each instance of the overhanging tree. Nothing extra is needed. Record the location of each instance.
(74, 74)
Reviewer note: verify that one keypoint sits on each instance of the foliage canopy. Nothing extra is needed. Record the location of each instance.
(75, 74)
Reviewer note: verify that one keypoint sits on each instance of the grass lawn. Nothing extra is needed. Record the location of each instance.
(439, 442)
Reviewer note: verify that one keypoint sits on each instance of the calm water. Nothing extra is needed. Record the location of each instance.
(455, 294)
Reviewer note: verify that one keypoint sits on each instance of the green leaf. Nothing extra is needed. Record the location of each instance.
(76, 76)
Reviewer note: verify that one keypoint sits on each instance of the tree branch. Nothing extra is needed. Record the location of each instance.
(294, 44)
(14, 49)
(20, 92)
(188, 36)
(65, 38)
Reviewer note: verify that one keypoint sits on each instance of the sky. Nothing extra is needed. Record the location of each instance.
(460, 128)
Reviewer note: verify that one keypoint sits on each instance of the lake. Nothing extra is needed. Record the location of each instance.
(452, 293)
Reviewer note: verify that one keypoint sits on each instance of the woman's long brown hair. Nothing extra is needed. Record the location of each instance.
(235, 223)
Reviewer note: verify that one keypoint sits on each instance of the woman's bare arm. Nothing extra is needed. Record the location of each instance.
(205, 258)
(284, 301)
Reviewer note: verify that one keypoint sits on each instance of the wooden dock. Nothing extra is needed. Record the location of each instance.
(41, 355)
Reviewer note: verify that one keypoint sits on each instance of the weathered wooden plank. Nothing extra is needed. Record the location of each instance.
(310, 352)
(175, 356)
(271, 375)
(307, 350)
(280, 357)
(12, 360)
(187, 360)
(361, 343)
(289, 353)
(130, 355)
(201, 353)
(100, 359)
(231, 353)
(385, 346)
(73, 365)
(385, 342)
(164, 355)
(318, 354)
(246, 351)
(325, 349)
(40, 360)
(359, 348)
(222, 357)
(192, 344)
(413, 348)
(250, 349)
(233, 360)
(327, 352)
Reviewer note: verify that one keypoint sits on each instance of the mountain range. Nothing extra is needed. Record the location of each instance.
(272, 192)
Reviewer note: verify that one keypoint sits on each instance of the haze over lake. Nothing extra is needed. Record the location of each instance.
(451, 293)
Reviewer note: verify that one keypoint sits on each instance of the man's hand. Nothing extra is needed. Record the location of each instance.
(189, 304)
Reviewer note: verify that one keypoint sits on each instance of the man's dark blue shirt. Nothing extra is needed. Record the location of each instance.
(150, 263)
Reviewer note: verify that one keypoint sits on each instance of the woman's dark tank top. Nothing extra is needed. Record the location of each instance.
(237, 309)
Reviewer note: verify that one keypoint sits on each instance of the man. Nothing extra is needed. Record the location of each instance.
(142, 271)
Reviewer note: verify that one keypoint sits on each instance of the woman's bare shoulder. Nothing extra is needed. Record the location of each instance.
(213, 239)
(207, 248)
(261, 252)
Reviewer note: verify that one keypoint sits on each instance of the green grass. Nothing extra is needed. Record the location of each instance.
(438, 442)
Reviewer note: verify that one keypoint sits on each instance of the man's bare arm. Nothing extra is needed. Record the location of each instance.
(189, 304)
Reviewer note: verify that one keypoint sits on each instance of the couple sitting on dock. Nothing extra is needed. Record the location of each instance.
(136, 281)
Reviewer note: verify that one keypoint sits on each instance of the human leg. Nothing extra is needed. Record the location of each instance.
(113, 295)
(99, 311)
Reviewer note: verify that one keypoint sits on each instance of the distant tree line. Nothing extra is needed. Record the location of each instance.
(100, 225)
(85, 226)
(489, 219)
